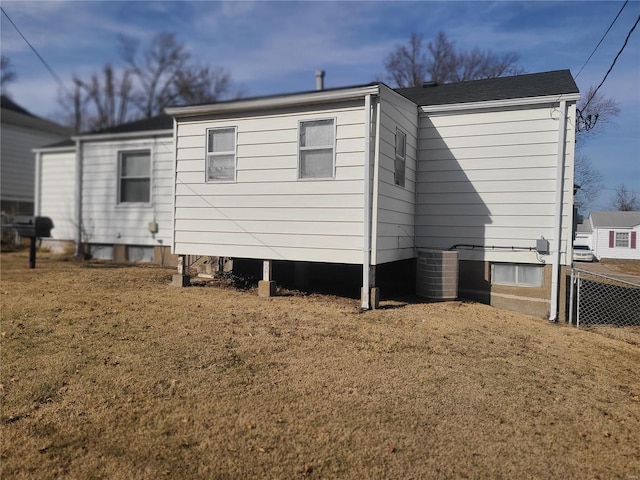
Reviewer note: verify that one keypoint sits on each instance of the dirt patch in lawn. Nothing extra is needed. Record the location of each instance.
(109, 372)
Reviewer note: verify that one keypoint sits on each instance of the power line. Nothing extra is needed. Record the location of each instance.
(602, 39)
(44, 62)
(612, 64)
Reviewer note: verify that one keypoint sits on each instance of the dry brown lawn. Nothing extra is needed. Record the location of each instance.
(109, 372)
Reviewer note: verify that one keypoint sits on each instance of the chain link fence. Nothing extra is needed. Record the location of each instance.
(599, 300)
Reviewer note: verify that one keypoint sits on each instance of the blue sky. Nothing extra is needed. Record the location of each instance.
(275, 47)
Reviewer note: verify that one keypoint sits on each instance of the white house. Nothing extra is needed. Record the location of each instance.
(110, 192)
(368, 175)
(365, 176)
(20, 132)
(614, 234)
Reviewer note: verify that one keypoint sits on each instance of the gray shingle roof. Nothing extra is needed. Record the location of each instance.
(160, 122)
(615, 219)
(521, 86)
(6, 102)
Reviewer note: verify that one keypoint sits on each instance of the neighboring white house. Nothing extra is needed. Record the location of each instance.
(20, 133)
(613, 234)
(368, 175)
(364, 176)
(111, 192)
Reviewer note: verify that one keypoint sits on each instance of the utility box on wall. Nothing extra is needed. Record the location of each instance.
(437, 274)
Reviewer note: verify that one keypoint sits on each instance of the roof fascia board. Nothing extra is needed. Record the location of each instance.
(123, 135)
(512, 102)
(312, 98)
(69, 148)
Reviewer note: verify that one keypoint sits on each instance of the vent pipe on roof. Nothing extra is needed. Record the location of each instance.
(319, 79)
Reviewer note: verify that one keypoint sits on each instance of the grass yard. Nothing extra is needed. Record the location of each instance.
(108, 372)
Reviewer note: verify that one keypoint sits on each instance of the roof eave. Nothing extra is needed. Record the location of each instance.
(510, 102)
(123, 135)
(295, 100)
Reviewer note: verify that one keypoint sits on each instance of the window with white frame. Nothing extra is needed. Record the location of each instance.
(221, 154)
(134, 177)
(517, 274)
(622, 239)
(401, 157)
(317, 149)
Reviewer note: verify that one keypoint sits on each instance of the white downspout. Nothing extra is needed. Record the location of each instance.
(37, 195)
(78, 197)
(366, 248)
(557, 220)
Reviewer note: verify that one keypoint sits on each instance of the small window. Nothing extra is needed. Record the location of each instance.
(135, 177)
(401, 158)
(517, 274)
(221, 155)
(622, 239)
(317, 149)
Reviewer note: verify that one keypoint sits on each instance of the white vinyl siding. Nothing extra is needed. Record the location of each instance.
(488, 178)
(394, 206)
(316, 149)
(268, 212)
(57, 192)
(106, 220)
(601, 247)
(221, 155)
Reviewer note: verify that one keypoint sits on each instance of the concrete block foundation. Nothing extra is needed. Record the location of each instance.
(266, 288)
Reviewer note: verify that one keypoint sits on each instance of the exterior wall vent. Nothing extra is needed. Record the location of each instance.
(437, 274)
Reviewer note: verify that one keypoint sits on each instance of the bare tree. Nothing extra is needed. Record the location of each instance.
(152, 78)
(593, 109)
(626, 200)
(100, 102)
(594, 114)
(438, 61)
(7, 73)
(406, 66)
(589, 180)
(166, 77)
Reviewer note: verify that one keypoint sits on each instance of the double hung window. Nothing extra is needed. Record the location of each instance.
(401, 158)
(134, 177)
(221, 155)
(317, 149)
(622, 239)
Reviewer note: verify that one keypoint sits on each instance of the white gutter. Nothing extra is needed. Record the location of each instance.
(511, 102)
(557, 220)
(366, 247)
(38, 179)
(301, 99)
(78, 196)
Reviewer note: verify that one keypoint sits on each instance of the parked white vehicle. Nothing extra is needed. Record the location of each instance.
(582, 253)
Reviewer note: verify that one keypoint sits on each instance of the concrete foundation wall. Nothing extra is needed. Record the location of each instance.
(475, 284)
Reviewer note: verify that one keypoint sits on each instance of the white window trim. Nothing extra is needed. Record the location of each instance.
(516, 283)
(208, 154)
(615, 240)
(401, 158)
(333, 149)
(119, 202)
